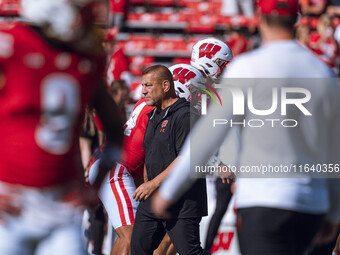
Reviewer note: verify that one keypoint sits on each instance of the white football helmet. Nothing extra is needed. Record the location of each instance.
(189, 83)
(60, 19)
(211, 56)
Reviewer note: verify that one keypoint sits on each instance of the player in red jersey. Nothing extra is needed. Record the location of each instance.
(118, 12)
(118, 63)
(50, 69)
(119, 186)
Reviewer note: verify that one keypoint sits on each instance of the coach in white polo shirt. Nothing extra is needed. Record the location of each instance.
(280, 216)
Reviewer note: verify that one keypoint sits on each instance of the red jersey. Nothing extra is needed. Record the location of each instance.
(118, 68)
(43, 95)
(118, 6)
(99, 124)
(134, 129)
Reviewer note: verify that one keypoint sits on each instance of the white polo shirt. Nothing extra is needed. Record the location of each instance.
(315, 140)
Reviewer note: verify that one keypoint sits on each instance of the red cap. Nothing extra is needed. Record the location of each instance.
(278, 7)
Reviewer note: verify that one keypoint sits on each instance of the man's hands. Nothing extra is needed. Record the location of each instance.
(8, 205)
(226, 177)
(10, 201)
(327, 233)
(159, 205)
(144, 191)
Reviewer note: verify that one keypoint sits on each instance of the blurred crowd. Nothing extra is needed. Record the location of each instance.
(318, 28)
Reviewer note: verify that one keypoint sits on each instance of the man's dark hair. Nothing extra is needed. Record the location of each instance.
(286, 22)
(162, 73)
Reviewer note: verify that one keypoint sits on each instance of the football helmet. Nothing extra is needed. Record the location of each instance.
(189, 83)
(210, 56)
(63, 20)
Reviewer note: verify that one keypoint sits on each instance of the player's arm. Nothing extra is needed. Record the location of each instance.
(145, 175)
(158, 180)
(111, 120)
(337, 246)
(175, 185)
(144, 191)
(85, 151)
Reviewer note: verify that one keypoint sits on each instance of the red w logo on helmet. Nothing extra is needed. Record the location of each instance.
(208, 50)
(183, 75)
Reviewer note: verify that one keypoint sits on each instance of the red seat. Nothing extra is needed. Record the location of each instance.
(139, 63)
(199, 23)
(10, 7)
(132, 16)
(162, 2)
(207, 7)
(138, 44)
(176, 61)
(236, 21)
(239, 21)
(168, 46)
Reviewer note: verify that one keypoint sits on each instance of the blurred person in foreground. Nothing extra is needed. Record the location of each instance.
(211, 56)
(88, 144)
(275, 215)
(51, 67)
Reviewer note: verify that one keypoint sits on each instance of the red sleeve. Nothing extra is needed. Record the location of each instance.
(97, 121)
(121, 64)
